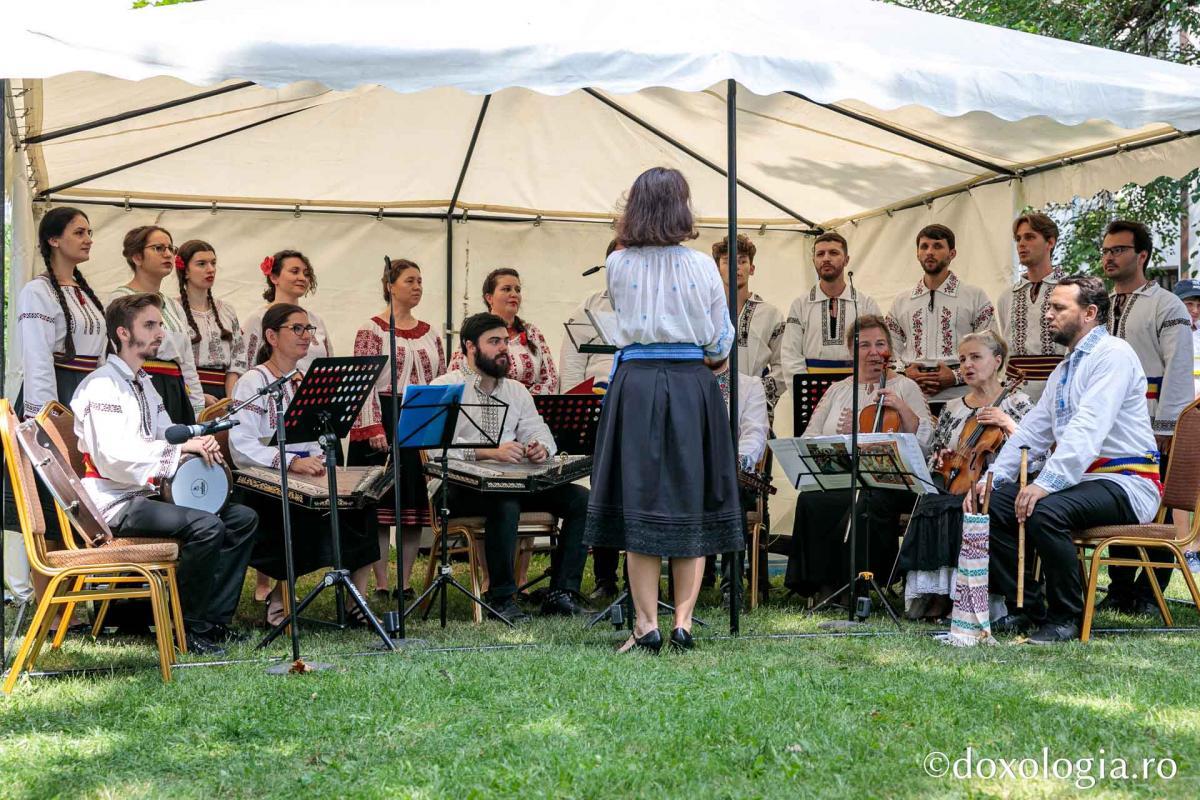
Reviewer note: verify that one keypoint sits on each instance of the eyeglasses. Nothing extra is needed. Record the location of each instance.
(163, 248)
(1116, 251)
(298, 329)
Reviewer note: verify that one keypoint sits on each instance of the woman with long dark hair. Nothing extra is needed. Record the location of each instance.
(290, 277)
(216, 335)
(420, 357)
(150, 253)
(286, 334)
(529, 358)
(664, 482)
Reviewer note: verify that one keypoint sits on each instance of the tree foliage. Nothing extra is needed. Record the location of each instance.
(1165, 29)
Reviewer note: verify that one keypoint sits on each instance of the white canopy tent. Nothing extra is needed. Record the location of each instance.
(478, 134)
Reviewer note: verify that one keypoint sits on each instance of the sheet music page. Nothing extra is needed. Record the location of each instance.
(909, 457)
(818, 463)
(605, 323)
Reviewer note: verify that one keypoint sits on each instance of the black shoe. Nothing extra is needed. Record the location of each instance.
(202, 645)
(508, 610)
(226, 635)
(1115, 602)
(1143, 608)
(561, 603)
(1055, 632)
(1012, 623)
(604, 592)
(682, 640)
(651, 641)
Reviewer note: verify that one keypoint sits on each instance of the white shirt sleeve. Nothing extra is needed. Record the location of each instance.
(108, 434)
(530, 426)
(36, 325)
(1175, 338)
(792, 349)
(753, 425)
(572, 363)
(246, 439)
(719, 312)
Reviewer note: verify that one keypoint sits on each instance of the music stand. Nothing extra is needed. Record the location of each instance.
(428, 420)
(807, 390)
(324, 408)
(573, 420)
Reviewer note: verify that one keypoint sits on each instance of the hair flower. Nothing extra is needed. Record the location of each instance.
(267, 266)
(179, 265)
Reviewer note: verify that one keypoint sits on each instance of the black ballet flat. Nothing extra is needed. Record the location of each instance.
(651, 642)
(682, 640)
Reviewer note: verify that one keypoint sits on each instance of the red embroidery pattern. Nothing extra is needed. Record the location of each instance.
(918, 329)
(948, 333)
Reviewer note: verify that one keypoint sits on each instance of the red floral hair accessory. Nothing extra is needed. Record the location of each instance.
(267, 266)
(179, 265)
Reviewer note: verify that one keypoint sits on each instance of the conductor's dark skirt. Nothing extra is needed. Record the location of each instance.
(312, 548)
(414, 497)
(67, 378)
(820, 555)
(664, 479)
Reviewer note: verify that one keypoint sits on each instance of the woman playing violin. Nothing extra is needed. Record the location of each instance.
(819, 561)
(968, 429)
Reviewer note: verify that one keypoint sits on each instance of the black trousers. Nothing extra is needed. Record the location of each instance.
(502, 513)
(214, 550)
(604, 565)
(1048, 534)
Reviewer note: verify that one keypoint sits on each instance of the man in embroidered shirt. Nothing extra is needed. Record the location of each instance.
(760, 325)
(120, 421)
(1103, 470)
(524, 438)
(1022, 311)
(1157, 326)
(815, 337)
(928, 320)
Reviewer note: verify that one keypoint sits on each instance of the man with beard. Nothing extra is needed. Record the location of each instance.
(121, 423)
(1157, 326)
(523, 438)
(1022, 311)
(928, 320)
(815, 337)
(1103, 471)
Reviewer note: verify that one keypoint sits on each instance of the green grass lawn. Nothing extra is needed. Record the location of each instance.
(561, 715)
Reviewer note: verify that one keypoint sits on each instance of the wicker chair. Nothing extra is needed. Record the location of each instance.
(755, 524)
(80, 575)
(1182, 490)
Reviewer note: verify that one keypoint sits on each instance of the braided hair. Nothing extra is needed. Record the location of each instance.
(53, 225)
(489, 286)
(186, 251)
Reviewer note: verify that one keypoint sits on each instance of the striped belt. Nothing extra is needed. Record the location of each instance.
(1143, 466)
(155, 367)
(212, 377)
(1036, 368)
(827, 365)
(1152, 387)
(77, 363)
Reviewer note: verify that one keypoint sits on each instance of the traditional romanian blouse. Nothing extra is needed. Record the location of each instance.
(521, 424)
(754, 426)
(42, 329)
(120, 421)
(420, 357)
(252, 337)
(825, 417)
(1158, 327)
(176, 345)
(250, 441)
(815, 337)
(760, 342)
(212, 352)
(576, 367)
(956, 412)
(928, 325)
(529, 360)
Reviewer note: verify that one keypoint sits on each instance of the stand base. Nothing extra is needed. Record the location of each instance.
(441, 588)
(288, 667)
(869, 579)
(399, 644)
(334, 578)
(616, 613)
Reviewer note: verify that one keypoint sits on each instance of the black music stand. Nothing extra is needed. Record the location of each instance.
(573, 420)
(428, 420)
(807, 390)
(324, 409)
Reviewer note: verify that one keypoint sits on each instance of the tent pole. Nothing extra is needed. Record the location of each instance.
(462, 176)
(735, 569)
(3, 334)
(689, 151)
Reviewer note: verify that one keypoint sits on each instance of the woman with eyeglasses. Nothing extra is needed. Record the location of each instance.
(286, 335)
(420, 358)
(290, 277)
(216, 334)
(150, 253)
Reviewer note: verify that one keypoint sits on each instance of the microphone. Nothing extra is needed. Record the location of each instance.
(178, 434)
(592, 270)
(275, 384)
(387, 265)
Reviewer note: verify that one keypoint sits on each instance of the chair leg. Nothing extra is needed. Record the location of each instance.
(473, 565)
(1158, 595)
(176, 608)
(1089, 597)
(67, 615)
(45, 610)
(98, 623)
(162, 625)
(1187, 575)
(754, 535)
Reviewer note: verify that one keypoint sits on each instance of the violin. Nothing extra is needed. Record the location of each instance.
(878, 418)
(978, 445)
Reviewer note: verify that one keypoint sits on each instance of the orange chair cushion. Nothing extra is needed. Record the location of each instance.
(1148, 531)
(119, 551)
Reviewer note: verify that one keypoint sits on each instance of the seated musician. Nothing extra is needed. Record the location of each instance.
(524, 438)
(820, 560)
(120, 421)
(754, 428)
(1103, 471)
(929, 552)
(286, 334)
